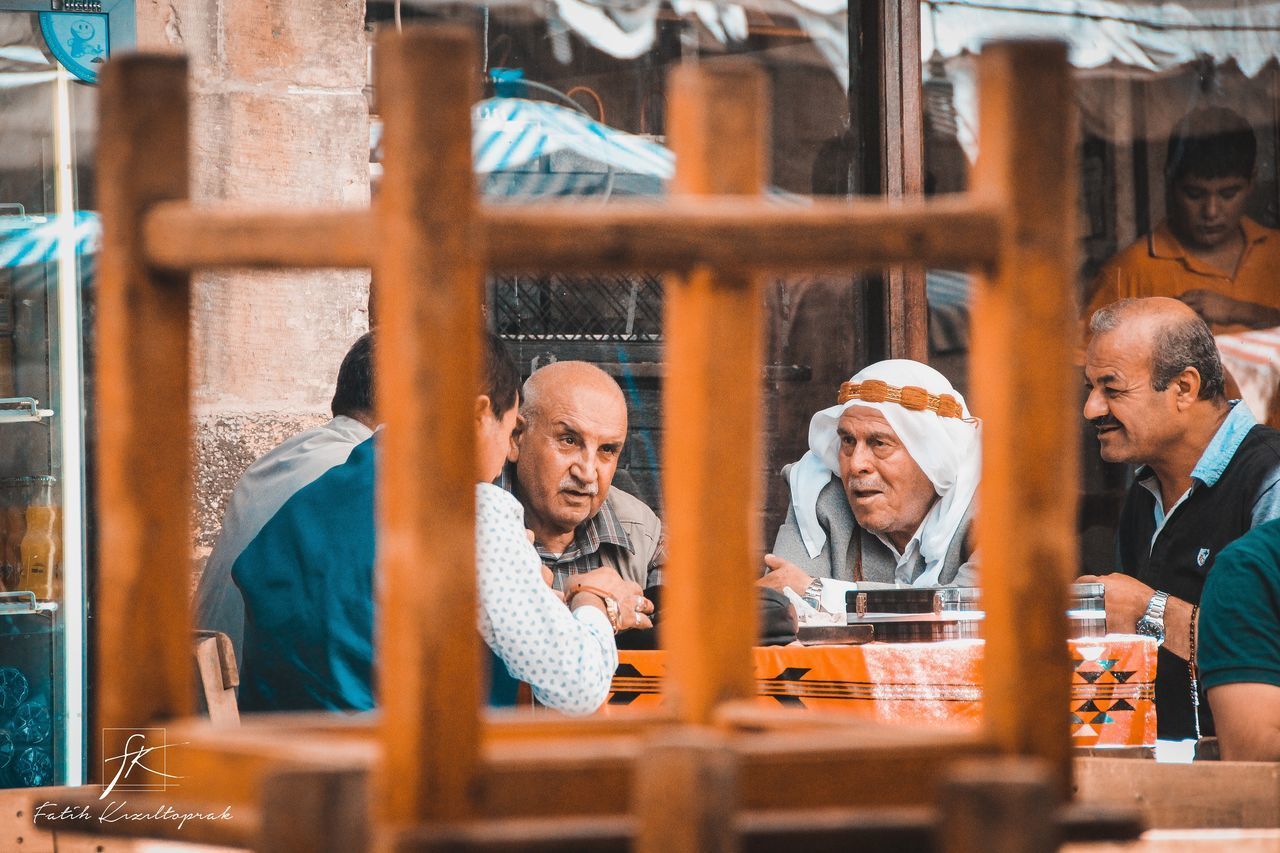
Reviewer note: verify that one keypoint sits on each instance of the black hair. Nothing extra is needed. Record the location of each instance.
(1211, 142)
(354, 392)
(501, 376)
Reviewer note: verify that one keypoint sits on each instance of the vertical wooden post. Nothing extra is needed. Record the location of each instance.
(712, 407)
(998, 806)
(685, 794)
(144, 668)
(906, 306)
(428, 277)
(1023, 387)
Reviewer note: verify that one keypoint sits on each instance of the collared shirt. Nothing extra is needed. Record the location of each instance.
(1215, 459)
(1159, 265)
(906, 559)
(584, 554)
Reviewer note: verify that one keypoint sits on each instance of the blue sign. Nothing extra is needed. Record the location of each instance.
(78, 41)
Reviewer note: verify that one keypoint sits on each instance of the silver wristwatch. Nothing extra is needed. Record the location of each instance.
(1152, 622)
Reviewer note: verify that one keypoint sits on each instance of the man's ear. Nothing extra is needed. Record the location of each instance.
(1187, 383)
(482, 406)
(513, 453)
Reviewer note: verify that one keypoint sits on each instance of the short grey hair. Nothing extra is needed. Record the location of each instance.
(1177, 346)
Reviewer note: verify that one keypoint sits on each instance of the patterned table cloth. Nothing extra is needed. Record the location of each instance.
(1253, 358)
(934, 684)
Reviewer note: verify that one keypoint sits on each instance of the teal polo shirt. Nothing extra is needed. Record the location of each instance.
(1239, 634)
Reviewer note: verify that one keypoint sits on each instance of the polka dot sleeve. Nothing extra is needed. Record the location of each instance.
(567, 658)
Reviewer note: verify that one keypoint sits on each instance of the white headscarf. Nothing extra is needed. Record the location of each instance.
(948, 450)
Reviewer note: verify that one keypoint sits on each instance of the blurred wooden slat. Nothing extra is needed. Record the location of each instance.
(1003, 805)
(684, 793)
(144, 668)
(1020, 373)
(428, 277)
(185, 236)
(712, 406)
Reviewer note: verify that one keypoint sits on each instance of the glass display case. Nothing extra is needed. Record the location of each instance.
(49, 58)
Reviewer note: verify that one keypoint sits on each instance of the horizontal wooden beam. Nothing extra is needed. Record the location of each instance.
(562, 766)
(819, 828)
(566, 237)
(847, 828)
(727, 232)
(1201, 795)
(182, 236)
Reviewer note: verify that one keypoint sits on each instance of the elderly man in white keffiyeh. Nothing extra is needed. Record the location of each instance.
(885, 494)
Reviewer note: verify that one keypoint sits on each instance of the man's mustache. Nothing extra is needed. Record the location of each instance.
(866, 485)
(571, 485)
(1105, 422)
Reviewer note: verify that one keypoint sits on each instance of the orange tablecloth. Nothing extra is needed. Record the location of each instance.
(1253, 359)
(935, 684)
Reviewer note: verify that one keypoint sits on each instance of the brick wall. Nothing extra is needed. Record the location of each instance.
(279, 118)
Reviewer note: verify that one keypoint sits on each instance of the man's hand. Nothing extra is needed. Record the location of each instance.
(1126, 598)
(549, 578)
(634, 609)
(783, 573)
(1217, 308)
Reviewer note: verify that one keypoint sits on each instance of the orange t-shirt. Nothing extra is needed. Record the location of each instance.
(1158, 265)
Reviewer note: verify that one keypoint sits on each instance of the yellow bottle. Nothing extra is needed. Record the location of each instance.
(39, 549)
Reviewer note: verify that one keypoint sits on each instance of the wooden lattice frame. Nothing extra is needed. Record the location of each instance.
(430, 241)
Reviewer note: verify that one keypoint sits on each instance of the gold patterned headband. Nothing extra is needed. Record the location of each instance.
(911, 397)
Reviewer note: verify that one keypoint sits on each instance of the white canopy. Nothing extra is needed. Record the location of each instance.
(1138, 34)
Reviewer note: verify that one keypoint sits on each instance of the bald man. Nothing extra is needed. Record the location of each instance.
(573, 425)
(1208, 472)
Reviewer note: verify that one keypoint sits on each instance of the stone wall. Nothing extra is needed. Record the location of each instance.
(279, 118)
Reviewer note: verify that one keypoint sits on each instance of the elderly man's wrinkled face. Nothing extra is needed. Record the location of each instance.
(568, 451)
(887, 491)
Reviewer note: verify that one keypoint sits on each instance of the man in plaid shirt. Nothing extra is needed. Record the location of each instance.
(573, 424)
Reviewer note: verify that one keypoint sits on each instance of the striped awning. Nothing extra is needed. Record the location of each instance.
(28, 240)
(513, 132)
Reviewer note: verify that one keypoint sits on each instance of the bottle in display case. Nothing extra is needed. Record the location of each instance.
(39, 548)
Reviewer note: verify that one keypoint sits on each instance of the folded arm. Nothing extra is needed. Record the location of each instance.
(568, 658)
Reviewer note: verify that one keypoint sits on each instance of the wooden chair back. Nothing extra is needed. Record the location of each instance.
(430, 240)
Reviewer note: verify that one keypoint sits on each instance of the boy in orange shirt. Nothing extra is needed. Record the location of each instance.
(1207, 252)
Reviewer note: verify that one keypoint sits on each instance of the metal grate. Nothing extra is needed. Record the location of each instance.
(577, 308)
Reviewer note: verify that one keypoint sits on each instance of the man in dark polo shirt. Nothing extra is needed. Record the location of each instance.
(1238, 652)
(1208, 472)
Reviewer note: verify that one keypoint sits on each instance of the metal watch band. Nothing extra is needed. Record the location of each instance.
(1156, 606)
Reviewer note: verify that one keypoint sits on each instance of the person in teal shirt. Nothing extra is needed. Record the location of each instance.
(1239, 645)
